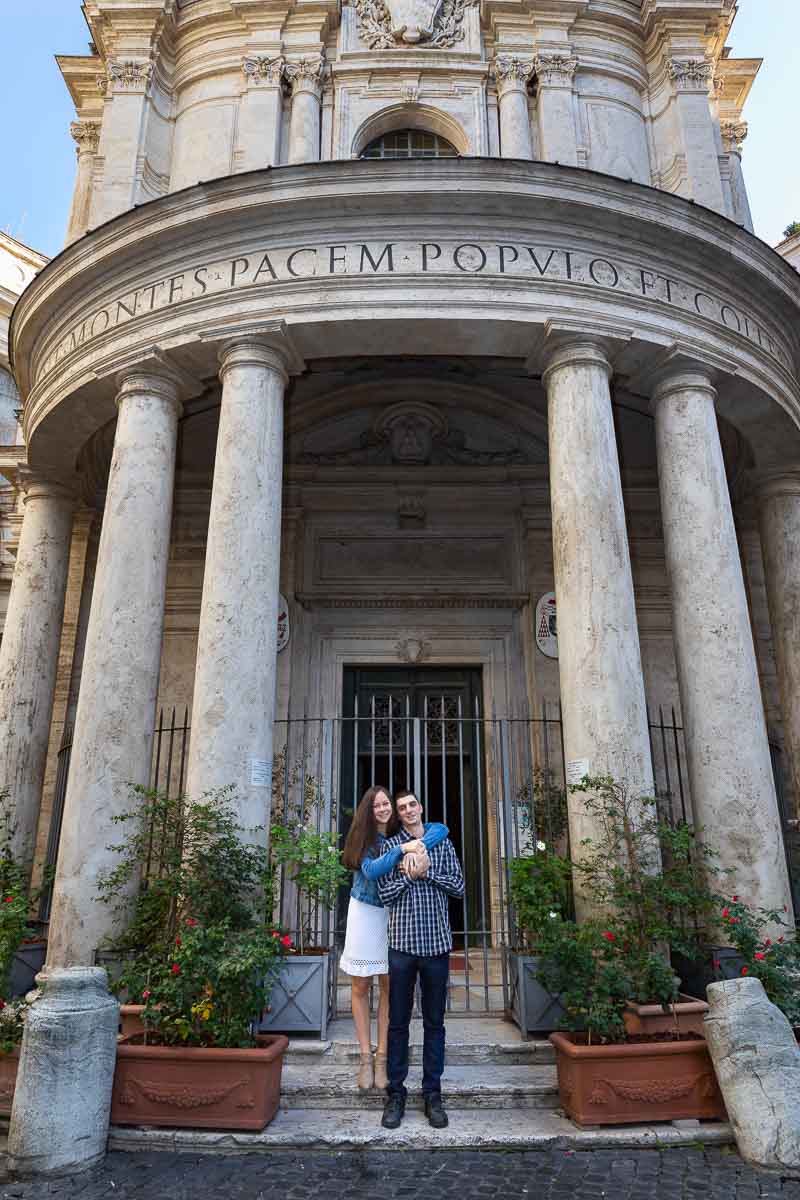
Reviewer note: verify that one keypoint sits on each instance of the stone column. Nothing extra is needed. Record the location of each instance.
(87, 135)
(62, 1102)
(512, 75)
(29, 650)
(121, 148)
(733, 134)
(119, 682)
(779, 520)
(555, 73)
(691, 79)
(727, 753)
(306, 78)
(260, 114)
(234, 689)
(602, 688)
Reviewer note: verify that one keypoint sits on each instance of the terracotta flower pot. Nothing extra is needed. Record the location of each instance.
(685, 1016)
(9, 1064)
(198, 1087)
(636, 1084)
(130, 1019)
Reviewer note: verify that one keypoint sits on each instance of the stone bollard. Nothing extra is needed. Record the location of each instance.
(62, 1101)
(757, 1062)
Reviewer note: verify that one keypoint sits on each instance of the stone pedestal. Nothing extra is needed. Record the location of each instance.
(512, 75)
(779, 520)
(757, 1062)
(29, 652)
(113, 740)
(234, 691)
(602, 690)
(305, 78)
(728, 758)
(59, 1122)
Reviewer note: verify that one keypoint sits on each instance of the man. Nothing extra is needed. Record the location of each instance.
(420, 942)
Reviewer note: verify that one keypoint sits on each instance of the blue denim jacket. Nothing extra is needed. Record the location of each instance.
(365, 887)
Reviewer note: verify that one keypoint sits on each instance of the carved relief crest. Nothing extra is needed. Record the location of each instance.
(387, 24)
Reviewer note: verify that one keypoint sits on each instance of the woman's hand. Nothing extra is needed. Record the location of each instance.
(415, 846)
(415, 866)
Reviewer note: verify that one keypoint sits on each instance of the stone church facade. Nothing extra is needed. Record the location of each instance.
(382, 321)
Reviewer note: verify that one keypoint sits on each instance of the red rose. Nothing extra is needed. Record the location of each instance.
(176, 970)
(177, 941)
(146, 994)
(734, 898)
(286, 940)
(726, 912)
(780, 939)
(759, 956)
(733, 920)
(768, 942)
(716, 964)
(275, 933)
(745, 971)
(9, 900)
(610, 937)
(2, 1005)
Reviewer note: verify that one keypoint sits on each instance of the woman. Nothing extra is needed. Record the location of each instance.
(366, 950)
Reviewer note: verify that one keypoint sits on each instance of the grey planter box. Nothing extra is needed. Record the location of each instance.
(25, 965)
(534, 1009)
(302, 997)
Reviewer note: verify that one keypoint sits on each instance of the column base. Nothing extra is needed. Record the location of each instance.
(62, 1102)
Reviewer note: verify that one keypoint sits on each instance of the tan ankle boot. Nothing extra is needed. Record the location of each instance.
(381, 1078)
(366, 1075)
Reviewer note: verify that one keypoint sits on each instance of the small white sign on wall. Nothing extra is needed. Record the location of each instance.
(576, 769)
(546, 629)
(260, 772)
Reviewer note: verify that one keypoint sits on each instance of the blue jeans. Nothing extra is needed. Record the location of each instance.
(433, 972)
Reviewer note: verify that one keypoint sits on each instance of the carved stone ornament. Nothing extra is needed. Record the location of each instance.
(512, 72)
(260, 69)
(125, 76)
(86, 134)
(415, 434)
(733, 134)
(555, 69)
(306, 74)
(434, 24)
(413, 650)
(691, 74)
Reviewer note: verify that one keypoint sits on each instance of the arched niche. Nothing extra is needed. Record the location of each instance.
(410, 116)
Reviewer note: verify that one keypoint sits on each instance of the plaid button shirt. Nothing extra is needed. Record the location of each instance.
(418, 918)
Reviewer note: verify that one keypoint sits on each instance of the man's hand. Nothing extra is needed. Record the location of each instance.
(415, 846)
(415, 866)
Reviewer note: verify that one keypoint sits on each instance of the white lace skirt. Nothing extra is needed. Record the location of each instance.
(366, 946)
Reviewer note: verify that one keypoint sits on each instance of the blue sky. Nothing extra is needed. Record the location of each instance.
(34, 201)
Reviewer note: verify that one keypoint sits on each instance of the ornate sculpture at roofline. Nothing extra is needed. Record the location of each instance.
(434, 24)
(414, 434)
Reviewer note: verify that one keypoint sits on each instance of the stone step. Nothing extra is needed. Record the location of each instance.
(316, 1085)
(354, 1129)
(481, 1041)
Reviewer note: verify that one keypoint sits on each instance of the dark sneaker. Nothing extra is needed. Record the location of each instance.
(393, 1112)
(435, 1113)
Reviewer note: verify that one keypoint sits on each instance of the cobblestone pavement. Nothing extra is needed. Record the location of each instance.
(670, 1174)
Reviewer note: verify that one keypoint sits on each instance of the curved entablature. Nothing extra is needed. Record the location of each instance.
(447, 257)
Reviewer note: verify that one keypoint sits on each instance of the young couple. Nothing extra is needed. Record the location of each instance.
(398, 928)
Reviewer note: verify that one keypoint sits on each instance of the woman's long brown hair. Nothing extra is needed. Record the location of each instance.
(363, 835)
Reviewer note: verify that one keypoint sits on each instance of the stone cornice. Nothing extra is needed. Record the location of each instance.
(313, 600)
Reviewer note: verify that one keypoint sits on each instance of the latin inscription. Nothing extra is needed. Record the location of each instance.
(538, 263)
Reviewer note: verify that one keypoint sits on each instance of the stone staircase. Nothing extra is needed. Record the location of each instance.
(500, 1092)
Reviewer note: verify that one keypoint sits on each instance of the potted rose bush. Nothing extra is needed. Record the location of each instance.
(632, 1048)
(767, 948)
(198, 953)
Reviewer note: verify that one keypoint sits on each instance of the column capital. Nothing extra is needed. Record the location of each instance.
(684, 379)
(783, 481)
(555, 69)
(146, 380)
(691, 74)
(307, 75)
(87, 136)
(512, 74)
(37, 486)
(580, 352)
(260, 69)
